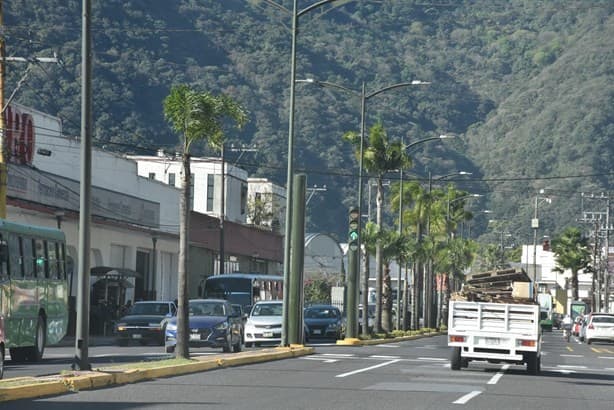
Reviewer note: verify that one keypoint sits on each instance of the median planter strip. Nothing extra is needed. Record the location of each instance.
(33, 387)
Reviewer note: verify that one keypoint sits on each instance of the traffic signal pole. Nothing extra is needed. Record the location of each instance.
(352, 279)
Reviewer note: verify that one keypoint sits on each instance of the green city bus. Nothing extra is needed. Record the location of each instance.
(33, 288)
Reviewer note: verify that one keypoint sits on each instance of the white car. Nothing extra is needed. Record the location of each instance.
(264, 323)
(599, 326)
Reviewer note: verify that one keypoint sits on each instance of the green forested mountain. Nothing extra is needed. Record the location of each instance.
(527, 85)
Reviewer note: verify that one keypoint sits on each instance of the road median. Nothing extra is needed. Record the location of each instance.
(74, 381)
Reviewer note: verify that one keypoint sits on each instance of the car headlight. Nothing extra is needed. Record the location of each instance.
(121, 327)
(222, 326)
(333, 326)
(171, 326)
(154, 324)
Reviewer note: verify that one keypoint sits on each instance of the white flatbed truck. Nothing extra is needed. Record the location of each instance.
(494, 332)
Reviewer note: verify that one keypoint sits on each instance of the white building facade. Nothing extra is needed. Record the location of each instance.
(206, 183)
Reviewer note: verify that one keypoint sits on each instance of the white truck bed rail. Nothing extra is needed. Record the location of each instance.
(493, 317)
(496, 332)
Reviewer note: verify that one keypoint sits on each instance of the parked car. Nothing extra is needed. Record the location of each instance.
(145, 322)
(323, 321)
(264, 323)
(598, 326)
(212, 323)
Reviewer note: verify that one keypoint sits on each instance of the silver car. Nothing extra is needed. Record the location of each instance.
(264, 323)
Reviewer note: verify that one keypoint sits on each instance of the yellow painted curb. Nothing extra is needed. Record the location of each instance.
(349, 341)
(60, 384)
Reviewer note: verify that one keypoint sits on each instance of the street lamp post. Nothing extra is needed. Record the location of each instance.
(296, 13)
(535, 226)
(364, 97)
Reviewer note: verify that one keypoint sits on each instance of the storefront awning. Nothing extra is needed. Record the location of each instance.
(110, 271)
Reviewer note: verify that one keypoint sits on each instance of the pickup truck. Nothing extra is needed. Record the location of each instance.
(494, 332)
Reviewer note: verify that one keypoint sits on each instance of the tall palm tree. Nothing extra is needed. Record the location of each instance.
(395, 245)
(368, 239)
(452, 259)
(195, 116)
(415, 218)
(380, 156)
(571, 252)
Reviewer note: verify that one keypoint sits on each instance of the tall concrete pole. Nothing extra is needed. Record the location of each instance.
(222, 212)
(607, 255)
(83, 297)
(3, 167)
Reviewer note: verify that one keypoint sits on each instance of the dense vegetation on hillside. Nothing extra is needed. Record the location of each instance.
(526, 84)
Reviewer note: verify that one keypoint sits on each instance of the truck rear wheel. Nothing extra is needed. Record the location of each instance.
(533, 363)
(455, 359)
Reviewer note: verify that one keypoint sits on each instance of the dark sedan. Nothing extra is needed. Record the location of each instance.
(323, 321)
(145, 322)
(212, 323)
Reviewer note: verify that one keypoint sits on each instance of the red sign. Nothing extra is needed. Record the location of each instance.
(19, 137)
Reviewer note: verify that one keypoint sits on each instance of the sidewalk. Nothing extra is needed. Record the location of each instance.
(69, 341)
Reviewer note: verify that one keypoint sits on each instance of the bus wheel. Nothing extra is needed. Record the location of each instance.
(35, 353)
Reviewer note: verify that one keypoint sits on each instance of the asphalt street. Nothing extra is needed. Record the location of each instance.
(413, 374)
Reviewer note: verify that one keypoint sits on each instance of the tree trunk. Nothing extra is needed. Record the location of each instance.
(182, 348)
(574, 284)
(378, 258)
(365, 294)
(386, 300)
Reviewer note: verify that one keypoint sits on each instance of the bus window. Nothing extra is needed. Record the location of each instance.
(41, 260)
(15, 258)
(4, 256)
(52, 248)
(27, 254)
(61, 261)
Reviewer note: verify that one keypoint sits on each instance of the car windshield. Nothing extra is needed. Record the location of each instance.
(207, 309)
(267, 309)
(603, 319)
(320, 313)
(161, 309)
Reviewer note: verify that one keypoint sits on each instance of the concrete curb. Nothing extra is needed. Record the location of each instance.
(400, 338)
(35, 387)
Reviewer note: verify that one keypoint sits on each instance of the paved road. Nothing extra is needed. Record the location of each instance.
(412, 375)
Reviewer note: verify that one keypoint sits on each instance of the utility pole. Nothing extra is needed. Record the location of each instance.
(81, 360)
(4, 156)
(3, 167)
(600, 220)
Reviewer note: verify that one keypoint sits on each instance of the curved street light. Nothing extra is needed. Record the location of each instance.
(364, 97)
(296, 13)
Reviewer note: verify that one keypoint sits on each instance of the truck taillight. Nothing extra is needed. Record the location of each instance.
(457, 339)
(527, 343)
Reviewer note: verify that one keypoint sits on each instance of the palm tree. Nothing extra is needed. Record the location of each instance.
(456, 256)
(380, 156)
(395, 245)
(368, 239)
(415, 218)
(571, 252)
(195, 116)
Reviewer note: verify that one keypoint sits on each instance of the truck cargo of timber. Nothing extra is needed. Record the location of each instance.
(494, 319)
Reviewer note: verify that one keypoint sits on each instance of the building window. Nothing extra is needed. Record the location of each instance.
(152, 175)
(210, 191)
(243, 199)
(171, 179)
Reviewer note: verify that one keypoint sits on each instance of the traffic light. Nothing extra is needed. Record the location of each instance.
(353, 231)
